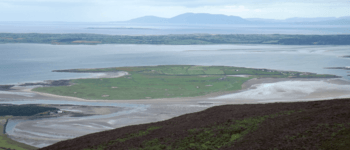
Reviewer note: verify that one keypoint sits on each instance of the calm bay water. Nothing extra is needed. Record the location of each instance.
(115, 28)
(20, 63)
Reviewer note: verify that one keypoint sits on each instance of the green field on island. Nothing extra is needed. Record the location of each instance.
(150, 82)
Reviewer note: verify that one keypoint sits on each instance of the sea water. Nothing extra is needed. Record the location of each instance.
(114, 28)
(22, 63)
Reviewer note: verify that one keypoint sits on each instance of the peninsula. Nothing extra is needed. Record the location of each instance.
(171, 81)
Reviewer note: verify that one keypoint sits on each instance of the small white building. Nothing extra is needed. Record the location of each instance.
(60, 112)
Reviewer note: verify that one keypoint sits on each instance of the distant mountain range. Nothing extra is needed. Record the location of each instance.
(203, 18)
(192, 18)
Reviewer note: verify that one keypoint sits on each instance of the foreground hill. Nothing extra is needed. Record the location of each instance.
(299, 125)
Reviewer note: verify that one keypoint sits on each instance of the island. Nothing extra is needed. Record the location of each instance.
(342, 68)
(165, 81)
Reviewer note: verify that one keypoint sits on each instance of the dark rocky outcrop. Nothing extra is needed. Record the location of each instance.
(343, 68)
(49, 83)
(6, 87)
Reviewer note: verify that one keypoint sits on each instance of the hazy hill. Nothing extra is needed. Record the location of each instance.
(149, 19)
(320, 125)
(318, 19)
(293, 20)
(339, 21)
(193, 18)
(203, 18)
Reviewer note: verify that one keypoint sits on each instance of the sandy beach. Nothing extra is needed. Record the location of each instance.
(110, 114)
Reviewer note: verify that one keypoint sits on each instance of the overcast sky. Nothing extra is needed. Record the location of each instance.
(121, 10)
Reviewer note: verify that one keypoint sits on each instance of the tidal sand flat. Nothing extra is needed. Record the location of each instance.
(109, 115)
(8, 111)
(141, 110)
(292, 90)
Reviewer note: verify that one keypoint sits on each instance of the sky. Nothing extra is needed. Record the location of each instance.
(122, 10)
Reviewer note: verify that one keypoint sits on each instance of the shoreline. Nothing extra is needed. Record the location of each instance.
(63, 82)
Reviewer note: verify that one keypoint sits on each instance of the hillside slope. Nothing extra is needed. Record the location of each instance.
(299, 125)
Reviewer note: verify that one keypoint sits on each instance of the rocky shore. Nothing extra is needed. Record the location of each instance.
(49, 83)
(65, 82)
(6, 87)
(344, 68)
(45, 83)
(84, 71)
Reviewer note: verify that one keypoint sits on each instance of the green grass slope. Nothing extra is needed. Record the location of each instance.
(319, 125)
(165, 82)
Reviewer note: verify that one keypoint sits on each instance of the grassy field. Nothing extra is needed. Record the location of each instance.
(8, 143)
(151, 82)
